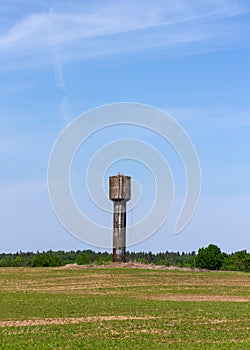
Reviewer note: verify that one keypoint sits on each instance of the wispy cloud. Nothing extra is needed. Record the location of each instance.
(81, 31)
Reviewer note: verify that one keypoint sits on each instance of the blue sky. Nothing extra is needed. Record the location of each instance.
(59, 59)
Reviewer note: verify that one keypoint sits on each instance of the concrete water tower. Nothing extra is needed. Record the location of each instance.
(119, 193)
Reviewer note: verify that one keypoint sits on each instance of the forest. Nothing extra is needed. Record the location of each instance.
(208, 258)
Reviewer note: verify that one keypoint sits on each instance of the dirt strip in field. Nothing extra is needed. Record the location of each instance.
(190, 297)
(69, 320)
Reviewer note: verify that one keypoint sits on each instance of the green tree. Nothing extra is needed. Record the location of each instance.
(46, 260)
(103, 259)
(83, 259)
(239, 261)
(210, 258)
(18, 261)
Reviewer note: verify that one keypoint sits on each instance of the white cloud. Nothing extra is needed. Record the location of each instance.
(80, 31)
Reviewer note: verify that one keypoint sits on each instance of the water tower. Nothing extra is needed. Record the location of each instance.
(119, 193)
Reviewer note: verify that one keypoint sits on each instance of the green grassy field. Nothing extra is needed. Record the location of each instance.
(123, 308)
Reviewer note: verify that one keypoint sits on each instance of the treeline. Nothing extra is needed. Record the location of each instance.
(210, 258)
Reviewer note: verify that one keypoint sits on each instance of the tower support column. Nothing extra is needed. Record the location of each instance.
(119, 193)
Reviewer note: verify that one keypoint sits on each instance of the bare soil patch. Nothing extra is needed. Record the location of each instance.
(192, 297)
(129, 265)
(69, 320)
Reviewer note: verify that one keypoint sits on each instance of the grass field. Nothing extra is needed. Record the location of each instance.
(123, 308)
